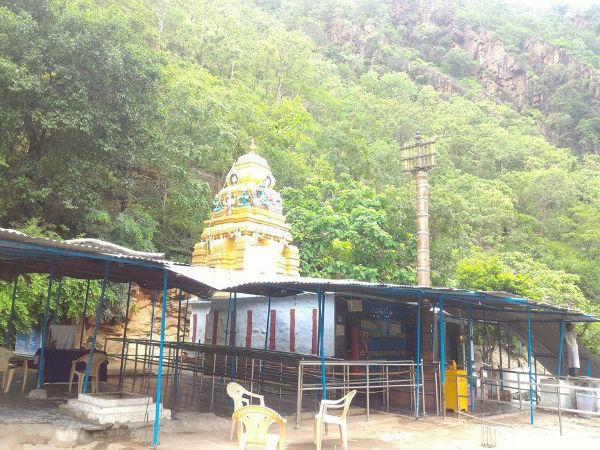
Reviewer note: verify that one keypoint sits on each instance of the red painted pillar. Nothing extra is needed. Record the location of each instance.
(249, 328)
(272, 330)
(206, 328)
(292, 330)
(194, 325)
(354, 342)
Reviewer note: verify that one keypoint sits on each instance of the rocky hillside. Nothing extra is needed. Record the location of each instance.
(120, 118)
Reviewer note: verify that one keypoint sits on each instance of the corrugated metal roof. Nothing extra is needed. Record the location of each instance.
(20, 253)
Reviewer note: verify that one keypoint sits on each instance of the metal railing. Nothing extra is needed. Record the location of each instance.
(547, 390)
(363, 376)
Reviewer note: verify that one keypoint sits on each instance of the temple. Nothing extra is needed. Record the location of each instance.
(247, 229)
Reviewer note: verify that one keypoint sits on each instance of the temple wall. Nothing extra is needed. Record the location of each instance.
(298, 313)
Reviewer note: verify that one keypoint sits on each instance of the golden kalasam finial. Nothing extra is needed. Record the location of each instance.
(252, 146)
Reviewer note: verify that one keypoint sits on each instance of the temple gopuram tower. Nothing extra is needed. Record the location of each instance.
(247, 229)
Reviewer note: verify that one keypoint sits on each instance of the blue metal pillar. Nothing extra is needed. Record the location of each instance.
(185, 318)
(57, 304)
(501, 371)
(470, 359)
(321, 301)
(418, 374)
(11, 317)
(153, 300)
(268, 322)
(559, 363)
(508, 343)
(176, 382)
(160, 360)
(124, 335)
(589, 367)
(233, 337)
(529, 339)
(84, 319)
(99, 314)
(45, 331)
(442, 333)
(226, 337)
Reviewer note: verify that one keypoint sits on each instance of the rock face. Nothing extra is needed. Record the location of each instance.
(140, 319)
(500, 73)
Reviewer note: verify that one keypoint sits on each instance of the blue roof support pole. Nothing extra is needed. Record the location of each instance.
(124, 336)
(176, 375)
(40, 374)
(84, 318)
(470, 358)
(418, 354)
(99, 314)
(268, 322)
(149, 358)
(499, 331)
(508, 344)
(153, 300)
(589, 367)
(11, 317)
(225, 338)
(161, 351)
(185, 319)
(559, 362)
(57, 304)
(233, 336)
(321, 296)
(529, 352)
(442, 333)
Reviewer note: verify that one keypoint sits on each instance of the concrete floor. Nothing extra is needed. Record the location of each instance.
(381, 432)
(33, 424)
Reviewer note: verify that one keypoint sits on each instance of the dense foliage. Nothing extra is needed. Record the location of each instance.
(118, 117)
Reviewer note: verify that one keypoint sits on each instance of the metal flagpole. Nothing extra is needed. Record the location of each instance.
(160, 361)
(418, 374)
(84, 321)
(45, 330)
(11, 317)
(124, 336)
(531, 414)
(99, 314)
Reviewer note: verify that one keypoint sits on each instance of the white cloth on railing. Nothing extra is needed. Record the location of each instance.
(63, 336)
(572, 350)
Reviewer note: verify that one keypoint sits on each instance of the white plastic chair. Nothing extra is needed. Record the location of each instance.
(241, 397)
(323, 418)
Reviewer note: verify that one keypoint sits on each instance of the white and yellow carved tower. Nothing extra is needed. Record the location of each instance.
(247, 229)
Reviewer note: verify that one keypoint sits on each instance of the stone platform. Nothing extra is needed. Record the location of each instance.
(114, 408)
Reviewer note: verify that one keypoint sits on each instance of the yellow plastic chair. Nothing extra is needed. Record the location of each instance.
(254, 426)
(78, 368)
(323, 418)
(241, 397)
